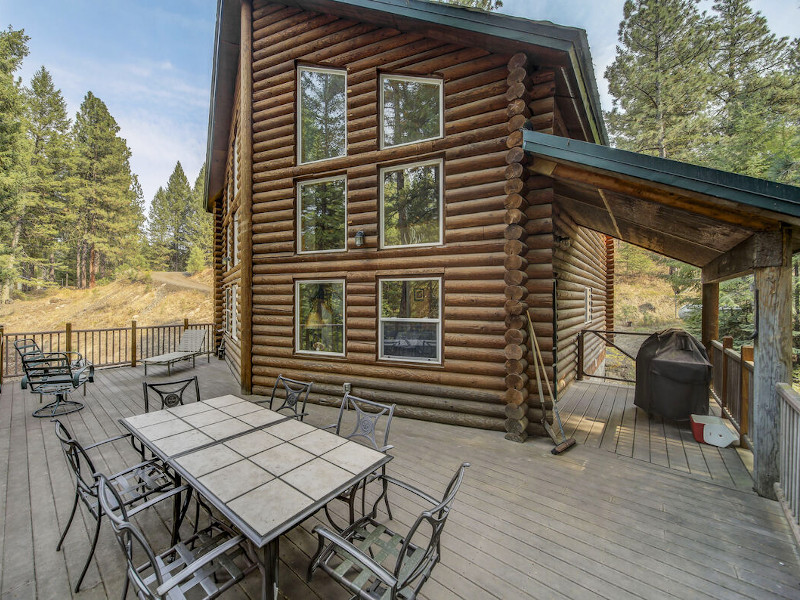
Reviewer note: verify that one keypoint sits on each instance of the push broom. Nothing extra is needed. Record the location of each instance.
(562, 442)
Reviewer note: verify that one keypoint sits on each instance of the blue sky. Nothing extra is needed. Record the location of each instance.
(150, 62)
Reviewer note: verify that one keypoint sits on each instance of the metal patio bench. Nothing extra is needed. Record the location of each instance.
(190, 347)
(53, 374)
(375, 563)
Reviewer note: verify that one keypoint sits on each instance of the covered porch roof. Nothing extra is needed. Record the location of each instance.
(704, 217)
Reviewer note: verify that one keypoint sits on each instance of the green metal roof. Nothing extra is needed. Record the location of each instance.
(760, 194)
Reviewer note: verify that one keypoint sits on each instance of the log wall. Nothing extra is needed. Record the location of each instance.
(499, 222)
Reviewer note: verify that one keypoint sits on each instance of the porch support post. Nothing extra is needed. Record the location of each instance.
(710, 325)
(773, 361)
(246, 194)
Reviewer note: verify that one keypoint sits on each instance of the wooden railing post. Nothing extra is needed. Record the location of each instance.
(727, 342)
(133, 343)
(2, 352)
(68, 341)
(185, 324)
(744, 421)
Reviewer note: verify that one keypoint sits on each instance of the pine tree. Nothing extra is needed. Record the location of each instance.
(172, 222)
(202, 230)
(659, 78)
(48, 216)
(104, 199)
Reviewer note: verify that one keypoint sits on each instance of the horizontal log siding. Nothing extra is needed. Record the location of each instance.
(469, 387)
(579, 259)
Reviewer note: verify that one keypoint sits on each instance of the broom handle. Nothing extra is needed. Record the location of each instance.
(538, 357)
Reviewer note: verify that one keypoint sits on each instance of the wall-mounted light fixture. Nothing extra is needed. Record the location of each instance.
(359, 239)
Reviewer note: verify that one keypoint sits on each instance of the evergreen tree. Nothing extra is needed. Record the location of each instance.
(14, 151)
(104, 198)
(659, 78)
(172, 222)
(48, 216)
(202, 226)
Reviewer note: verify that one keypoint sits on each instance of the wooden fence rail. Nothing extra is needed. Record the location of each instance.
(103, 347)
(732, 383)
(787, 489)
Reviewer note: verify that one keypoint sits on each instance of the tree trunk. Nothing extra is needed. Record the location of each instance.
(92, 266)
(5, 290)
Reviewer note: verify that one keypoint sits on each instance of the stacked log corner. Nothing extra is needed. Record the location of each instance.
(528, 247)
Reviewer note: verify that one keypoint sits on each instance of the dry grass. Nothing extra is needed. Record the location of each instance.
(114, 304)
(643, 300)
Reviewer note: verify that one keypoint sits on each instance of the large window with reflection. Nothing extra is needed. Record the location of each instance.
(319, 317)
(322, 114)
(411, 109)
(410, 319)
(411, 204)
(322, 215)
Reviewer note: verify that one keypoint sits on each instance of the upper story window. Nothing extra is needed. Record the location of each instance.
(319, 315)
(410, 319)
(322, 215)
(322, 114)
(587, 305)
(411, 109)
(411, 204)
(235, 242)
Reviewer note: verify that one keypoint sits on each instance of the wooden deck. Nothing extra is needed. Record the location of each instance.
(602, 415)
(587, 524)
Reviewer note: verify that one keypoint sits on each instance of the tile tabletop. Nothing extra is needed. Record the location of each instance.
(262, 469)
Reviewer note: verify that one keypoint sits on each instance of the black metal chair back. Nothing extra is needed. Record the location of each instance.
(170, 392)
(366, 420)
(436, 518)
(295, 396)
(80, 465)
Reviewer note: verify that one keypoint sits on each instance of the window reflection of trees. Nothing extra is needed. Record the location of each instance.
(322, 216)
(411, 110)
(321, 317)
(410, 319)
(411, 205)
(323, 116)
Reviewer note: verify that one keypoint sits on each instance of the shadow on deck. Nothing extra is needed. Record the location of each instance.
(527, 524)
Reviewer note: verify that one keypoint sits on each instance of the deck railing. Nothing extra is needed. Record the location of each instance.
(787, 489)
(732, 383)
(108, 347)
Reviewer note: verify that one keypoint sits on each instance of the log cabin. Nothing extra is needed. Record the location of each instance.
(395, 184)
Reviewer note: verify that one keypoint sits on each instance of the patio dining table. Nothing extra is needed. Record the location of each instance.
(263, 471)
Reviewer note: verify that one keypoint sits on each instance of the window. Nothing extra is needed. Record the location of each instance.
(235, 242)
(410, 319)
(322, 114)
(411, 109)
(322, 215)
(226, 309)
(236, 162)
(320, 317)
(229, 246)
(587, 304)
(235, 311)
(411, 205)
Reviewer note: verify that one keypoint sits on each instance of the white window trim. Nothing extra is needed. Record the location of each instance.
(300, 186)
(236, 163)
(226, 309)
(235, 311)
(235, 242)
(587, 304)
(297, 285)
(381, 104)
(381, 319)
(299, 113)
(381, 211)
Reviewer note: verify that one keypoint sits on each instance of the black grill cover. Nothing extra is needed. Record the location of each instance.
(672, 375)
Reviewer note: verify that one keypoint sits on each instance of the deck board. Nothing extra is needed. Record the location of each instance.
(615, 517)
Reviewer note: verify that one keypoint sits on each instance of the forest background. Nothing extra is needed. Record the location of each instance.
(715, 88)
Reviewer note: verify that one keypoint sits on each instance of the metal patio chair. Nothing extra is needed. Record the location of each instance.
(296, 395)
(366, 417)
(169, 392)
(134, 486)
(54, 374)
(190, 568)
(375, 563)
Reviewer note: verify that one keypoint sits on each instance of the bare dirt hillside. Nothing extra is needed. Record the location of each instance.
(156, 299)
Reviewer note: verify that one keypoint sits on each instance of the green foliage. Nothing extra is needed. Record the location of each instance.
(197, 261)
(480, 4)
(658, 79)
